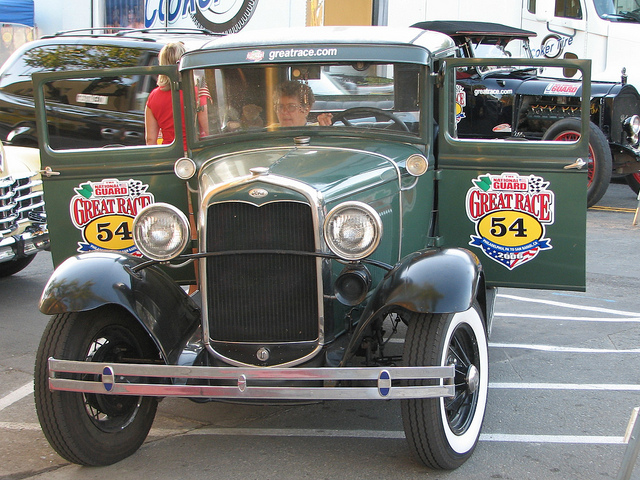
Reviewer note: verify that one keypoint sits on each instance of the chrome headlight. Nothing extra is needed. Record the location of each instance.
(184, 168)
(353, 230)
(417, 165)
(161, 231)
(632, 127)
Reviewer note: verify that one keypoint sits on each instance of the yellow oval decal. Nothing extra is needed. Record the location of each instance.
(111, 232)
(510, 228)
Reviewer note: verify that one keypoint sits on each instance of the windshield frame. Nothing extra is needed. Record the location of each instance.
(423, 109)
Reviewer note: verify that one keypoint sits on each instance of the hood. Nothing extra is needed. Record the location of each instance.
(334, 173)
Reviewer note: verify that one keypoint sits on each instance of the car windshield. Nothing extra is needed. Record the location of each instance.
(626, 10)
(501, 48)
(238, 99)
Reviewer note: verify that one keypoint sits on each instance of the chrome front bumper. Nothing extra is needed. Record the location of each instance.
(27, 243)
(361, 383)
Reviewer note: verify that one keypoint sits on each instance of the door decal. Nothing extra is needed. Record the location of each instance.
(104, 212)
(510, 212)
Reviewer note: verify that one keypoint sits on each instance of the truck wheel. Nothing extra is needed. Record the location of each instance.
(14, 266)
(633, 180)
(91, 429)
(443, 432)
(600, 163)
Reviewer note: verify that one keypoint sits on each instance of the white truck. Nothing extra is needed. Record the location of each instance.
(605, 31)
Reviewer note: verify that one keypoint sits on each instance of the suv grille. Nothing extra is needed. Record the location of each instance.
(261, 297)
(19, 202)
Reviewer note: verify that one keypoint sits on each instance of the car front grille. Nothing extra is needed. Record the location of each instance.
(20, 202)
(256, 297)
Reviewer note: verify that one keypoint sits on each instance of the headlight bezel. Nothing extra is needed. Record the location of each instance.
(141, 231)
(374, 222)
(631, 125)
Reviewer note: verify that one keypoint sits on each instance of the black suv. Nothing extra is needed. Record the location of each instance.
(123, 102)
(532, 104)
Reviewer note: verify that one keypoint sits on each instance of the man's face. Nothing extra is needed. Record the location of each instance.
(291, 113)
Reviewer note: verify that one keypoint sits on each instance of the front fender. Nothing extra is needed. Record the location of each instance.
(86, 282)
(430, 281)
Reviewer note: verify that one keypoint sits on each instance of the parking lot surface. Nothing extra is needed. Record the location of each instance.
(564, 379)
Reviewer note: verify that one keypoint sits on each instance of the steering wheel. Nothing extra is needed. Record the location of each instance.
(367, 111)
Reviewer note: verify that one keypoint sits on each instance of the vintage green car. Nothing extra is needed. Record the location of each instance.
(325, 206)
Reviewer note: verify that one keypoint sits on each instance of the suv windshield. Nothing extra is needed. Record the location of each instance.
(359, 95)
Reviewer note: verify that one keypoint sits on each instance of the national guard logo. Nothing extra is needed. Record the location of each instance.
(510, 212)
(104, 212)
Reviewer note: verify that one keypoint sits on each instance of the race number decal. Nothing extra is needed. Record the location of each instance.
(510, 213)
(104, 212)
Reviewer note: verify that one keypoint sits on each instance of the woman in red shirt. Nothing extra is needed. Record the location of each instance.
(158, 115)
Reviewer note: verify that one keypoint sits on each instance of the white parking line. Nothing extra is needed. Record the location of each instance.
(575, 439)
(16, 395)
(572, 306)
(394, 434)
(379, 434)
(553, 348)
(604, 387)
(491, 437)
(570, 319)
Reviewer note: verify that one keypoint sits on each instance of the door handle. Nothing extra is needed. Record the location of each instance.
(48, 172)
(109, 133)
(578, 164)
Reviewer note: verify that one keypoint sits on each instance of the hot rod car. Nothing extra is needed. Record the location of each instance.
(534, 105)
(272, 261)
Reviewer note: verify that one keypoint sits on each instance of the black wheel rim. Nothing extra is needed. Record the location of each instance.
(462, 352)
(112, 413)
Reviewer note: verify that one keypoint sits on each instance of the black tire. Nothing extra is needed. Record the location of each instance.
(90, 429)
(633, 180)
(15, 265)
(209, 19)
(443, 432)
(600, 163)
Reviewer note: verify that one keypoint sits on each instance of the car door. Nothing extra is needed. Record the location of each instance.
(519, 205)
(93, 194)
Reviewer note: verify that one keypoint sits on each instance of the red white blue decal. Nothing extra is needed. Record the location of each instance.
(510, 213)
(104, 212)
(461, 102)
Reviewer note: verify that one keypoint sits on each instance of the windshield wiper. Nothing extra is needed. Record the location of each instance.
(634, 16)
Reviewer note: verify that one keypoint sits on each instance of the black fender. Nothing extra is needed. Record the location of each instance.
(430, 281)
(86, 282)
(427, 281)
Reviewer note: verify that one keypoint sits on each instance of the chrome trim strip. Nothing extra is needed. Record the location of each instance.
(242, 378)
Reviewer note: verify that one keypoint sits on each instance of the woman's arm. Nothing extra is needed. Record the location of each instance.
(151, 127)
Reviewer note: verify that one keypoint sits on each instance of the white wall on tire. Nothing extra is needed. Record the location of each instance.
(461, 444)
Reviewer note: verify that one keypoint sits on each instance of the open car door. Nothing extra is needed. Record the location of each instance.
(518, 203)
(95, 163)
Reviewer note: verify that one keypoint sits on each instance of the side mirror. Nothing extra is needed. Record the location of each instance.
(570, 72)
